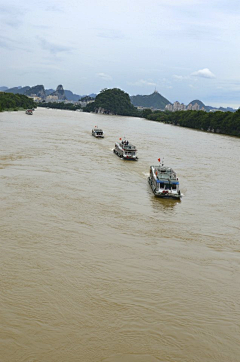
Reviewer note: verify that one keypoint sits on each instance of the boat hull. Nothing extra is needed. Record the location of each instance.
(127, 158)
(96, 136)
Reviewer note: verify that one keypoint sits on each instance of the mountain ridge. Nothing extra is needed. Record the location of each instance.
(154, 100)
(27, 90)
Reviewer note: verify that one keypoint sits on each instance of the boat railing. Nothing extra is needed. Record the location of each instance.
(128, 146)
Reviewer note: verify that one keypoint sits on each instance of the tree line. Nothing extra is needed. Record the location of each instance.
(60, 105)
(15, 101)
(227, 123)
(115, 101)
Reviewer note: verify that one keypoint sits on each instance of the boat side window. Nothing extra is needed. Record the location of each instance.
(174, 187)
(161, 185)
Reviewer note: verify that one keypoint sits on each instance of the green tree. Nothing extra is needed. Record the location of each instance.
(146, 112)
(113, 101)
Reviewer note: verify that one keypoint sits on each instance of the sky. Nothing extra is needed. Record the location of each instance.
(184, 49)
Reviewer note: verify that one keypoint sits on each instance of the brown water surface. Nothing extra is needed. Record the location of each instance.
(93, 266)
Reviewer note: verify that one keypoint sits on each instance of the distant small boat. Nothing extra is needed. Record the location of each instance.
(164, 182)
(125, 150)
(97, 132)
(29, 112)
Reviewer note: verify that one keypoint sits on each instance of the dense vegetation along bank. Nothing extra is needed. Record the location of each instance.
(15, 101)
(227, 123)
(60, 105)
(113, 101)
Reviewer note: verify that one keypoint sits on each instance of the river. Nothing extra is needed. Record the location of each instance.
(93, 266)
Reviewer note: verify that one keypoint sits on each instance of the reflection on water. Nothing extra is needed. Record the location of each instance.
(168, 205)
(93, 266)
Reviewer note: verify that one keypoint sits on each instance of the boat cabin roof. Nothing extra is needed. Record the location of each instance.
(97, 130)
(127, 146)
(164, 172)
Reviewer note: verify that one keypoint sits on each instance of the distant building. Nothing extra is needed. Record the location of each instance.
(51, 98)
(84, 103)
(169, 107)
(35, 98)
(176, 106)
(193, 107)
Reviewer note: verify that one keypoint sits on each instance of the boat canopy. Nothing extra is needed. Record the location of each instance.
(164, 173)
(127, 146)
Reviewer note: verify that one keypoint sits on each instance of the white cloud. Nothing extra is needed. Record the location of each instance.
(142, 82)
(64, 43)
(203, 73)
(104, 76)
(180, 77)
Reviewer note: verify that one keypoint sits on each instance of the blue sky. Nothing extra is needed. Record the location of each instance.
(186, 49)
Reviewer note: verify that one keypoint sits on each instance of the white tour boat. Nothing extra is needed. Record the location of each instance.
(164, 182)
(97, 132)
(125, 150)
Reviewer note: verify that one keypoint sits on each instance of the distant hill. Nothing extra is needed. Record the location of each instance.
(154, 100)
(210, 108)
(3, 89)
(60, 93)
(75, 97)
(49, 91)
(112, 101)
(71, 96)
(37, 90)
(92, 95)
(200, 103)
(228, 109)
(17, 90)
(40, 91)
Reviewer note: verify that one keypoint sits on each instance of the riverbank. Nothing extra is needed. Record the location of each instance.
(226, 123)
(15, 102)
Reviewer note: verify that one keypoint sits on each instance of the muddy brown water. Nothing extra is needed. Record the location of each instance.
(93, 266)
